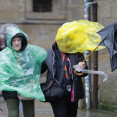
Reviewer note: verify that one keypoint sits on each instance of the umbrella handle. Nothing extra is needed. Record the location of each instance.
(84, 61)
(79, 74)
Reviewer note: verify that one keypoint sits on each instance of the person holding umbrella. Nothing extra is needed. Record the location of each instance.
(71, 83)
(72, 39)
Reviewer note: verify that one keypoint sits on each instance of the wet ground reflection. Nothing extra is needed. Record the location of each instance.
(44, 110)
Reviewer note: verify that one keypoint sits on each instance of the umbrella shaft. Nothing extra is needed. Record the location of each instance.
(90, 54)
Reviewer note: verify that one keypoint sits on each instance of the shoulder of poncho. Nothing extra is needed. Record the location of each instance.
(6, 52)
(37, 49)
(34, 46)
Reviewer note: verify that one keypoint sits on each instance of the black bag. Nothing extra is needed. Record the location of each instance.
(52, 91)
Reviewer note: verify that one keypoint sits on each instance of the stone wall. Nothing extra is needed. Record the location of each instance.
(42, 29)
(107, 14)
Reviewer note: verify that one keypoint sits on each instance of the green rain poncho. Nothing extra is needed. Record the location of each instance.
(22, 78)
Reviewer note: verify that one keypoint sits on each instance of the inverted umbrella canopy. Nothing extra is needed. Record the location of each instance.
(109, 40)
(4, 29)
(78, 36)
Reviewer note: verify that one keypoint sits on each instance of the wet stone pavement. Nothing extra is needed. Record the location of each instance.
(44, 110)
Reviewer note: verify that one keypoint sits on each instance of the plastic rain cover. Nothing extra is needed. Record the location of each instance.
(25, 78)
(78, 36)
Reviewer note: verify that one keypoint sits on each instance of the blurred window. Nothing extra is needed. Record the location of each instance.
(46, 10)
(42, 5)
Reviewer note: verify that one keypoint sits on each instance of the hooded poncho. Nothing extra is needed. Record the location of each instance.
(23, 77)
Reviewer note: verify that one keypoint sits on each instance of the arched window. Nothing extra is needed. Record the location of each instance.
(42, 5)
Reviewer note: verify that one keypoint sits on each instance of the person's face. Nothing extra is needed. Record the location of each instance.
(16, 44)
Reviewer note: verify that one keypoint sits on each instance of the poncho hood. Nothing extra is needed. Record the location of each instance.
(16, 32)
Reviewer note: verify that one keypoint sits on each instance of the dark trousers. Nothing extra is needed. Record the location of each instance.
(13, 108)
(65, 108)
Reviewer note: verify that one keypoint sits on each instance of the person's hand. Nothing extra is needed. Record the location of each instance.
(81, 65)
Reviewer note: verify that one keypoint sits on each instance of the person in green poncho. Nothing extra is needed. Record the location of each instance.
(20, 66)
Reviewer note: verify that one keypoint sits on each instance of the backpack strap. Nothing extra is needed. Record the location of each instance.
(61, 73)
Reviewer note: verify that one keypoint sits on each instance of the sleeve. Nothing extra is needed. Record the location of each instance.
(39, 53)
(43, 67)
(8, 65)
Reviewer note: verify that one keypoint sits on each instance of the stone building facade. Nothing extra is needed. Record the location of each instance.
(108, 90)
(41, 25)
